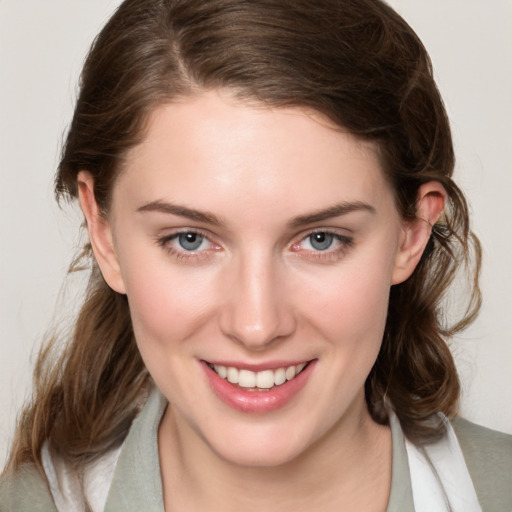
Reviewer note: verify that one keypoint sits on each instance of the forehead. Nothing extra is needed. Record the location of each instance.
(214, 147)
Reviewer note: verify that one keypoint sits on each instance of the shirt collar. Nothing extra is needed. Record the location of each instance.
(137, 482)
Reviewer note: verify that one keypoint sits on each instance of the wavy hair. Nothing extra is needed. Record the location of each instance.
(356, 62)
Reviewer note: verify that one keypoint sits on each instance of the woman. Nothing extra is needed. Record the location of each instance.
(272, 221)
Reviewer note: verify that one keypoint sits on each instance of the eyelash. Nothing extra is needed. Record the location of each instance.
(344, 244)
(328, 255)
(183, 255)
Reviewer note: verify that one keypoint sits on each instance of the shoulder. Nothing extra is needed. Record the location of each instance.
(483, 447)
(25, 490)
(488, 456)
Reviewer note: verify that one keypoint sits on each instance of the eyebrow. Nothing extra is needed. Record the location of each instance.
(209, 218)
(180, 211)
(333, 211)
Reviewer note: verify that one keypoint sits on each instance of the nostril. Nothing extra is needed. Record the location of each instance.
(257, 334)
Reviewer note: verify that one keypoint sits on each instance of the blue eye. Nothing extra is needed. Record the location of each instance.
(190, 241)
(189, 246)
(321, 241)
(325, 246)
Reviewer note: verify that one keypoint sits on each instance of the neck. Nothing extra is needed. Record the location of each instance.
(349, 468)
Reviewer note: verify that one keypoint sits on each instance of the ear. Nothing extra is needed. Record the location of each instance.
(100, 233)
(430, 203)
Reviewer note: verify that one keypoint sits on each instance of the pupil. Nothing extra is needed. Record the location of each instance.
(321, 241)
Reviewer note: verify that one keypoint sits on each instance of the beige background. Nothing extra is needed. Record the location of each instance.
(42, 46)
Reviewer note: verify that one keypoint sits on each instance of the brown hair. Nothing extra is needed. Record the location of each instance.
(355, 61)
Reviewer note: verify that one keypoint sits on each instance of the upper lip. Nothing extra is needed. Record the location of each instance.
(258, 367)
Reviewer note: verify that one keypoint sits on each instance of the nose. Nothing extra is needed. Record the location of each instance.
(257, 310)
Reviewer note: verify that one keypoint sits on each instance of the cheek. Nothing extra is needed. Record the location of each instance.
(167, 303)
(350, 314)
(352, 319)
(352, 302)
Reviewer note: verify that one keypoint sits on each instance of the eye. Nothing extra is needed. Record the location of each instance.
(190, 241)
(324, 246)
(321, 241)
(188, 244)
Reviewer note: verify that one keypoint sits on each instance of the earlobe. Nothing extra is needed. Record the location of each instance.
(100, 233)
(430, 202)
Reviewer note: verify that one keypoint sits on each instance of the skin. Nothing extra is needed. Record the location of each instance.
(258, 291)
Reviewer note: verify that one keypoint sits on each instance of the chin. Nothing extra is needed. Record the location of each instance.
(256, 458)
(258, 448)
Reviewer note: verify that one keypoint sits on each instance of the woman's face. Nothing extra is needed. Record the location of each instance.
(253, 244)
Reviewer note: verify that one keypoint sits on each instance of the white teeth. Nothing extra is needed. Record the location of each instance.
(280, 376)
(299, 368)
(265, 379)
(290, 372)
(232, 375)
(246, 379)
(221, 370)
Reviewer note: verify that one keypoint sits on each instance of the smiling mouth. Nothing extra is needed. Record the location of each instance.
(265, 380)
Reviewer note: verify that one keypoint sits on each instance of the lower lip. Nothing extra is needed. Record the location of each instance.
(257, 401)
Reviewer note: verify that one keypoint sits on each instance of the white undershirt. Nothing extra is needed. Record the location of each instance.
(440, 479)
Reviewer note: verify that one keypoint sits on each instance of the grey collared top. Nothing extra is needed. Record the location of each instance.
(137, 483)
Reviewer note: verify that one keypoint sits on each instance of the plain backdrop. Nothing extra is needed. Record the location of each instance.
(42, 46)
